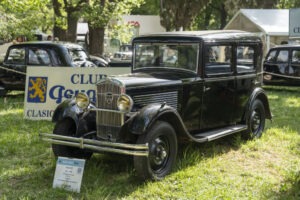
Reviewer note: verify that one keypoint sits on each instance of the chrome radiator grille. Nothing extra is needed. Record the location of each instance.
(171, 98)
(108, 123)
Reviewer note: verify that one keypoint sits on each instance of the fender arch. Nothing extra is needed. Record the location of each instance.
(148, 115)
(67, 109)
(259, 93)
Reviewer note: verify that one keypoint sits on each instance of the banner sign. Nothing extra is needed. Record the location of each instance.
(46, 87)
(294, 25)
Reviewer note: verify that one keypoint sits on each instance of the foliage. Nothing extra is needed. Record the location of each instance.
(150, 7)
(229, 168)
(179, 14)
(24, 17)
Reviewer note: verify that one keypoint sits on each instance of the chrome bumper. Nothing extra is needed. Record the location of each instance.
(96, 145)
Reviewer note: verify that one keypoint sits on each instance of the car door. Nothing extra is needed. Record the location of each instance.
(15, 62)
(248, 62)
(219, 86)
(295, 63)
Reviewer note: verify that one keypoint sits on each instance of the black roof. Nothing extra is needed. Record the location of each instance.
(202, 35)
(49, 44)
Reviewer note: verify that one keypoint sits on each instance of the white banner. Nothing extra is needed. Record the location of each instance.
(294, 25)
(46, 87)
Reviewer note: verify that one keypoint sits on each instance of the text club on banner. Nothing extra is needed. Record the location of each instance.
(46, 87)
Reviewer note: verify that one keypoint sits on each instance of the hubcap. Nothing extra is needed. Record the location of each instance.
(159, 153)
(256, 121)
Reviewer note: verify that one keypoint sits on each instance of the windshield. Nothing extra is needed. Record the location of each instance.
(78, 54)
(179, 56)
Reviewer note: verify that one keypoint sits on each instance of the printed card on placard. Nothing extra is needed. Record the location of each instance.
(68, 174)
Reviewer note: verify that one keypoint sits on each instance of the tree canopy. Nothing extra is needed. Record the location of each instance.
(60, 17)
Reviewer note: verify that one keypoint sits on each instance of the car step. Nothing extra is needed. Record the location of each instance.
(218, 133)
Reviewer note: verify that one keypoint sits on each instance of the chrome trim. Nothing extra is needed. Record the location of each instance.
(96, 145)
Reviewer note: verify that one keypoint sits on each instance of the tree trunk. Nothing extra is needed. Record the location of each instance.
(223, 14)
(57, 30)
(96, 40)
(72, 28)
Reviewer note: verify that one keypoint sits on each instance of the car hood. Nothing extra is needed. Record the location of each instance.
(154, 79)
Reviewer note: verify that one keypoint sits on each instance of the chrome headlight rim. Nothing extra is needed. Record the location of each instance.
(82, 100)
(124, 103)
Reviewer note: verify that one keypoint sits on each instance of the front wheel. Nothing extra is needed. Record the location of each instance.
(67, 127)
(162, 142)
(256, 120)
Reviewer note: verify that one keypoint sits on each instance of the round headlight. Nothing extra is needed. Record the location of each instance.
(82, 100)
(124, 103)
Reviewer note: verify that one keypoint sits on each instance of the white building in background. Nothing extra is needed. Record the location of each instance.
(273, 24)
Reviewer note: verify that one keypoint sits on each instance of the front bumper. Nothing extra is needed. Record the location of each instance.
(96, 145)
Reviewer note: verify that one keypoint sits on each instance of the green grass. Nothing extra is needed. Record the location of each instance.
(229, 168)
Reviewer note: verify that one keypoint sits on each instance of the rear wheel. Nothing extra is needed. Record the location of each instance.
(256, 120)
(162, 143)
(67, 127)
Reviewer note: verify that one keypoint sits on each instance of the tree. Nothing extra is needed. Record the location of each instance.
(150, 7)
(67, 13)
(99, 13)
(25, 17)
(180, 14)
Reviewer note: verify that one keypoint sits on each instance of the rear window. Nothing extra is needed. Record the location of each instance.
(38, 57)
(16, 56)
(283, 56)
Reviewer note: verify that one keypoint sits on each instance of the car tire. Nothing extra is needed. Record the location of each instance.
(256, 120)
(162, 142)
(67, 127)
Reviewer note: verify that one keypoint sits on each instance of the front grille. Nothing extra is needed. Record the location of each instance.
(171, 98)
(108, 123)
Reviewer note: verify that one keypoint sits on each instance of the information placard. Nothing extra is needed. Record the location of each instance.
(68, 174)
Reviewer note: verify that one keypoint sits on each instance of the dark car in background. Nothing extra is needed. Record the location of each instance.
(282, 65)
(48, 54)
(184, 86)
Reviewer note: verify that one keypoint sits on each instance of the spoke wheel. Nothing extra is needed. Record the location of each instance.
(162, 143)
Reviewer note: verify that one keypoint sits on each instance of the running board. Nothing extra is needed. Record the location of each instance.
(218, 133)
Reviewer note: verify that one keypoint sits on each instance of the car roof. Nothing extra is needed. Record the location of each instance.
(49, 44)
(205, 35)
(286, 46)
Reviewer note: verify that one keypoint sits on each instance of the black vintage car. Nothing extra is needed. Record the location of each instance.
(18, 56)
(184, 86)
(282, 65)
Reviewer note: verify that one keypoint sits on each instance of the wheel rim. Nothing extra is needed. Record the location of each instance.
(159, 153)
(255, 121)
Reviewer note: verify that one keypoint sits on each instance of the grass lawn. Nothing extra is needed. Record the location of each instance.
(229, 168)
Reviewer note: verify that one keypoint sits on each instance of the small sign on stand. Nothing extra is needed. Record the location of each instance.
(68, 174)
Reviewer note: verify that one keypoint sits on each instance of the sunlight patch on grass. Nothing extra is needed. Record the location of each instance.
(293, 102)
(11, 111)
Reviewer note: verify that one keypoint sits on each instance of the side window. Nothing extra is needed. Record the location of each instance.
(218, 59)
(16, 56)
(296, 56)
(283, 56)
(245, 59)
(38, 57)
(272, 56)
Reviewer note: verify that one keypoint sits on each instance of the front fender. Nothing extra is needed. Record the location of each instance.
(153, 112)
(67, 109)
